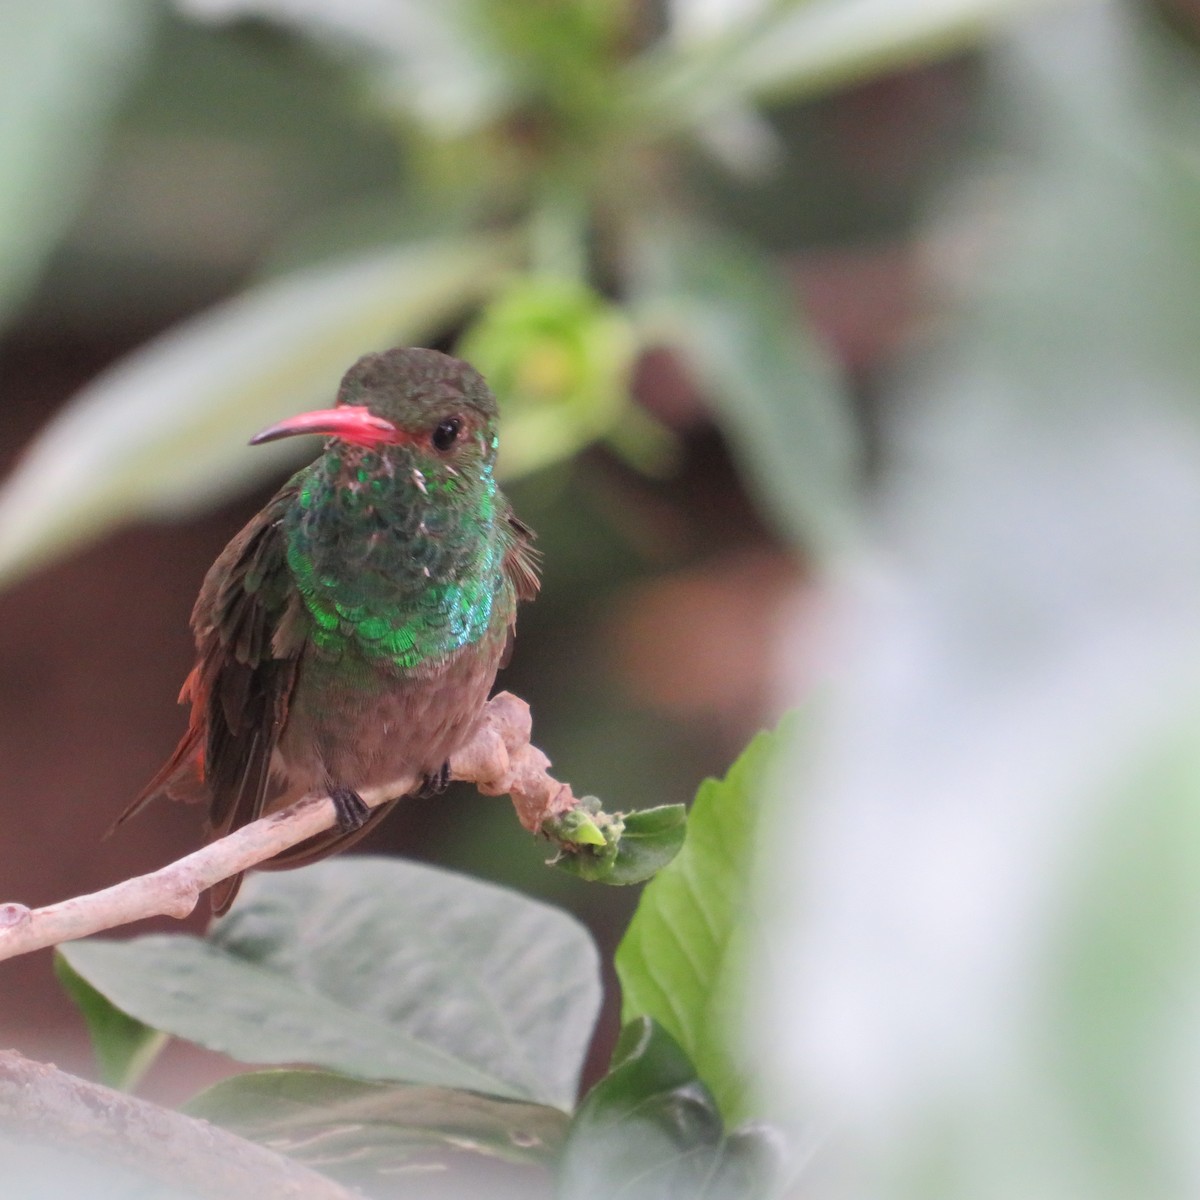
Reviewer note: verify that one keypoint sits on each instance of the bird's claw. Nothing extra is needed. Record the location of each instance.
(352, 811)
(434, 784)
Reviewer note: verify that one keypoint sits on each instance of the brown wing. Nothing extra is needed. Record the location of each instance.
(250, 630)
(522, 561)
(522, 565)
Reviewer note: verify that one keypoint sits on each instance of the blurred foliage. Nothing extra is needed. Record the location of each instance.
(62, 69)
(716, 302)
(561, 358)
(554, 129)
(985, 957)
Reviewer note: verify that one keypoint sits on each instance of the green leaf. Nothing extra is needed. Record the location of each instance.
(368, 1134)
(378, 968)
(682, 960)
(124, 1047)
(164, 430)
(623, 849)
(561, 357)
(651, 839)
(434, 61)
(650, 1130)
(64, 65)
(777, 396)
(803, 47)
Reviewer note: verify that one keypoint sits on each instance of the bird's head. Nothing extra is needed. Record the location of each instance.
(432, 407)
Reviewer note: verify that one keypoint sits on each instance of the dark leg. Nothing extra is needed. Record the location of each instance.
(435, 784)
(352, 813)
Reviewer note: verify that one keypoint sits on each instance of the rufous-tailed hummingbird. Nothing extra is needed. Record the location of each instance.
(349, 635)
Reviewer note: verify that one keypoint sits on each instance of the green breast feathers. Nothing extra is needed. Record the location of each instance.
(395, 563)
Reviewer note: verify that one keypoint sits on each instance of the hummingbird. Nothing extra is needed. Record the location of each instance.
(349, 635)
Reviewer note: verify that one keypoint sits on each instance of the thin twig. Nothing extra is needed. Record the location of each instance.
(498, 759)
(45, 1105)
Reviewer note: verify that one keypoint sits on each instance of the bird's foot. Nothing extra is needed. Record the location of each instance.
(352, 812)
(435, 784)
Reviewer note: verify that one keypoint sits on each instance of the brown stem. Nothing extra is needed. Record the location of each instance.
(498, 759)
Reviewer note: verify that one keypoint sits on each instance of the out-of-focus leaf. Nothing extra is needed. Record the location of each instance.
(124, 1047)
(382, 1137)
(561, 357)
(164, 430)
(985, 953)
(650, 1130)
(435, 59)
(1127, 949)
(625, 849)
(378, 968)
(777, 396)
(64, 64)
(795, 48)
(682, 959)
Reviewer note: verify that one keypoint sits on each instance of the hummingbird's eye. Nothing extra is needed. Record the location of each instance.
(446, 434)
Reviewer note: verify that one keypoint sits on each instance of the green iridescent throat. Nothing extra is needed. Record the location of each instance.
(393, 563)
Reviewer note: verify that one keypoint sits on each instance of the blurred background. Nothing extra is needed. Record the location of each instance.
(848, 357)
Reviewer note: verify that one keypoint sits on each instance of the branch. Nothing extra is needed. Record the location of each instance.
(498, 759)
(50, 1107)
